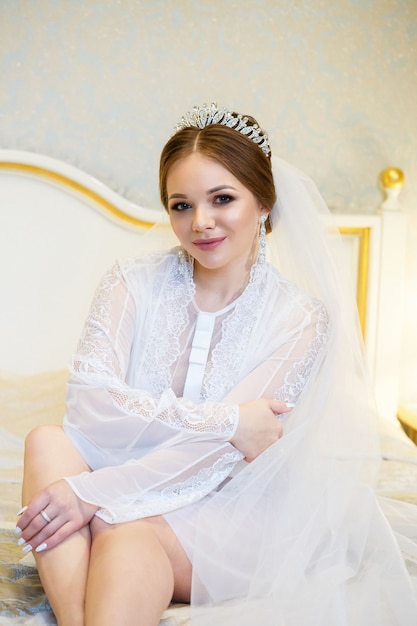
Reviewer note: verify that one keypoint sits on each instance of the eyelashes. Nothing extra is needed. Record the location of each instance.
(218, 200)
(180, 206)
(224, 198)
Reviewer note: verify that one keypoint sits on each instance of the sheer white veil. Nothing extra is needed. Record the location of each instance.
(298, 537)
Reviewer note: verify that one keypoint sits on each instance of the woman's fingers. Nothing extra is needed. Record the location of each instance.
(45, 541)
(279, 407)
(30, 517)
(258, 427)
(51, 517)
(38, 530)
(33, 539)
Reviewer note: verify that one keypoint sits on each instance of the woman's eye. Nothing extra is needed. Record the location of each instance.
(180, 206)
(223, 199)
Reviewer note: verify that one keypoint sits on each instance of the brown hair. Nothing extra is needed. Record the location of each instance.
(233, 150)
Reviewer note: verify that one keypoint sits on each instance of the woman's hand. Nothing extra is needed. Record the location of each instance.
(66, 512)
(258, 426)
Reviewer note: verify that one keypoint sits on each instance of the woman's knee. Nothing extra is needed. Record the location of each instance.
(41, 438)
(48, 448)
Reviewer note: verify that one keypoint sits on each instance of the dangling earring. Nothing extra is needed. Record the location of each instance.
(181, 261)
(261, 258)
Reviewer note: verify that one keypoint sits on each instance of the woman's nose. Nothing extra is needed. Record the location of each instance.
(202, 219)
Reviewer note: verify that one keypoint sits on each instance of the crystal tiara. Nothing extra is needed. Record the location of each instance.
(201, 117)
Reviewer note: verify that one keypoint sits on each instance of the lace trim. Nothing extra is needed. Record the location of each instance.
(206, 479)
(177, 495)
(92, 354)
(298, 375)
(164, 346)
(213, 417)
(223, 369)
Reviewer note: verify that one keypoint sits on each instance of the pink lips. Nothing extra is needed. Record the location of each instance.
(208, 244)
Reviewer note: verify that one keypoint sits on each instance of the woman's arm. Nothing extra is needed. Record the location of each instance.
(284, 374)
(102, 407)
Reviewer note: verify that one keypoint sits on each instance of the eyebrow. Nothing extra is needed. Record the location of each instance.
(213, 190)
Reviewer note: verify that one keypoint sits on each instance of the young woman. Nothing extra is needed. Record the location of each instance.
(218, 438)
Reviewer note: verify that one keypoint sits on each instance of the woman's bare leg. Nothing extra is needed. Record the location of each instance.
(127, 575)
(135, 570)
(50, 455)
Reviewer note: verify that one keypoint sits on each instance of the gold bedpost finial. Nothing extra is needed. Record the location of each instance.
(392, 178)
(392, 181)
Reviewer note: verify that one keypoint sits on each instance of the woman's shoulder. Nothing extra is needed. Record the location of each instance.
(287, 290)
(138, 271)
(284, 286)
(149, 263)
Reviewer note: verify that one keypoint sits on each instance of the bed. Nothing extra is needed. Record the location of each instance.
(60, 229)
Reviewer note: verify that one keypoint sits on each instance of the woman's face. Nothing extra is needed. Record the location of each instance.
(214, 216)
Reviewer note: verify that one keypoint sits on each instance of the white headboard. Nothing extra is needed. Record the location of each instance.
(61, 228)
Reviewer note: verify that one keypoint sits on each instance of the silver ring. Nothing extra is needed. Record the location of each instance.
(45, 517)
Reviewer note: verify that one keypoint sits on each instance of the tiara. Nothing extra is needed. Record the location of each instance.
(201, 117)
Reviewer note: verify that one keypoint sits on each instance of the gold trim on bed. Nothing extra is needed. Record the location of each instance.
(363, 233)
(65, 181)
(407, 416)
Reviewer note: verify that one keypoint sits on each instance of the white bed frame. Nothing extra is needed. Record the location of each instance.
(61, 228)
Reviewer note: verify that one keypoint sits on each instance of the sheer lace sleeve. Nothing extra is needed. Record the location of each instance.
(303, 355)
(101, 404)
(286, 372)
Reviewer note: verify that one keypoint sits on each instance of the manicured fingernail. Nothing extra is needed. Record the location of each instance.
(27, 548)
(21, 541)
(42, 547)
(17, 530)
(22, 510)
(290, 405)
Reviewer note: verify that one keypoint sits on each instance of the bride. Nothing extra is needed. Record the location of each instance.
(219, 445)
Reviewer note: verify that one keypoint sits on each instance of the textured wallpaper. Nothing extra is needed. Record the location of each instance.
(101, 83)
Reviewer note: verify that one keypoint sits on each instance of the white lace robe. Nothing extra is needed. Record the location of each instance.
(153, 450)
